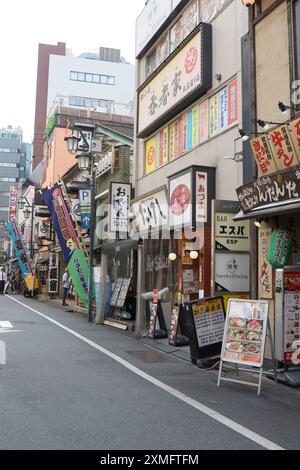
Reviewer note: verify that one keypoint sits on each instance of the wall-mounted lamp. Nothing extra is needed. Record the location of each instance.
(237, 157)
(257, 223)
(248, 3)
(285, 108)
(266, 124)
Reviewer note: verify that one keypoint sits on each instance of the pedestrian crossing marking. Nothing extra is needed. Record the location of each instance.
(5, 324)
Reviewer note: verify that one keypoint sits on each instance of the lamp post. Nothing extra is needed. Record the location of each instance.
(86, 161)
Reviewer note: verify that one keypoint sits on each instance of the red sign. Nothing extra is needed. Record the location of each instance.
(14, 190)
(285, 155)
(232, 103)
(180, 199)
(263, 155)
(155, 296)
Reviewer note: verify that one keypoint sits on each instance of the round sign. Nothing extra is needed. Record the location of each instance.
(151, 156)
(191, 60)
(180, 199)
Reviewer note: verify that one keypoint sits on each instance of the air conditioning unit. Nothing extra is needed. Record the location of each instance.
(96, 146)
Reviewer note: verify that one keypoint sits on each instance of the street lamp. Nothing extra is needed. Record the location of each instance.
(85, 161)
(27, 213)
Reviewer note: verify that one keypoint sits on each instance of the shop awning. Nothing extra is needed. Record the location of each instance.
(270, 210)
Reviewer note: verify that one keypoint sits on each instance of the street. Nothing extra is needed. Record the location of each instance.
(71, 385)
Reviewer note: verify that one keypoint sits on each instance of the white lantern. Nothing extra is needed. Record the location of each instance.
(84, 161)
(194, 255)
(172, 256)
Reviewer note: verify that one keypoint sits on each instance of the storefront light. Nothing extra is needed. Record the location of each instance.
(257, 223)
(172, 256)
(194, 255)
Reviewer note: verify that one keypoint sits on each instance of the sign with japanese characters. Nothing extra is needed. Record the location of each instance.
(150, 20)
(213, 116)
(270, 189)
(231, 235)
(58, 205)
(13, 197)
(283, 148)
(150, 212)
(232, 272)
(120, 194)
(245, 332)
(294, 127)
(265, 271)
(53, 274)
(180, 196)
(263, 155)
(201, 197)
(183, 75)
(209, 318)
(232, 91)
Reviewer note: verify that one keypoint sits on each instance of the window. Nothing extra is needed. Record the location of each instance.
(151, 63)
(92, 78)
(8, 165)
(4, 194)
(89, 102)
(10, 180)
(2, 209)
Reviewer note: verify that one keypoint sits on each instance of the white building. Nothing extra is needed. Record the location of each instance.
(101, 82)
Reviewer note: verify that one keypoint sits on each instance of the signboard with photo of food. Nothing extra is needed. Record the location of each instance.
(245, 332)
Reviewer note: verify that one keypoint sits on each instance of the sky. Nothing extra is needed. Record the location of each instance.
(82, 25)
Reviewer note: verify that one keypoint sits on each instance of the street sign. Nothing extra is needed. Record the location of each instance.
(85, 208)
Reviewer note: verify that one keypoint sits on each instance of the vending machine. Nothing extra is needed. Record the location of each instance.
(287, 322)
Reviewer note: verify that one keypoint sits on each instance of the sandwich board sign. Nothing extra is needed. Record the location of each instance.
(246, 327)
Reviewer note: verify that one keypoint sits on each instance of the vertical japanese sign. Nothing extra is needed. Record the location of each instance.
(201, 197)
(294, 127)
(53, 274)
(120, 198)
(213, 116)
(265, 271)
(68, 239)
(232, 103)
(190, 130)
(172, 142)
(231, 235)
(180, 137)
(165, 158)
(150, 155)
(203, 121)
(263, 155)
(85, 208)
(185, 132)
(195, 126)
(282, 145)
(13, 196)
(25, 263)
(223, 109)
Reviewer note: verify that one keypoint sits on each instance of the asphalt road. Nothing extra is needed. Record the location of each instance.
(68, 384)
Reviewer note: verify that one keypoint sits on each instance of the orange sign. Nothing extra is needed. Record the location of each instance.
(282, 145)
(263, 155)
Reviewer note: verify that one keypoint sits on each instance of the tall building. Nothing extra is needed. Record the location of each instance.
(15, 157)
(100, 82)
(41, 97)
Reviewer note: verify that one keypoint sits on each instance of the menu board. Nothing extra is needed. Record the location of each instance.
(209, 321)
(245, 332)
(123, 292)
(115, 294)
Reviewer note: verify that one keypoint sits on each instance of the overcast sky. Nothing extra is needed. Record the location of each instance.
(82, 25)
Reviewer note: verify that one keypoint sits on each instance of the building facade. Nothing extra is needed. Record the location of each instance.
(189, 107)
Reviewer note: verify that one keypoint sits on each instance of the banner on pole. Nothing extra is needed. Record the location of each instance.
(68, 239)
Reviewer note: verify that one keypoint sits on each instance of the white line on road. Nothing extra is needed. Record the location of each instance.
(5, 324)
(238, 428)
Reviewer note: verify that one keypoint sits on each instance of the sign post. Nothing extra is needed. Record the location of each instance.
(247, 326)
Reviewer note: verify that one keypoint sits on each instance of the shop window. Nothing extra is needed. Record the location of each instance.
(150, 63)
(162, 50)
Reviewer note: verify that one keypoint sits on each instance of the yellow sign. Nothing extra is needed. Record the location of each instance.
(226, 298)
(150, 155)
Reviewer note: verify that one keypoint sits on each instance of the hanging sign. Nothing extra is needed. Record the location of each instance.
(231, 235)
(245, 332)
(280, 249)
(150, 212)
(232, 272)
(282, 145)
(263, 155)
(201, 197)
(13, 197)
(294, 127)
(85, 208)
(120, 197)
